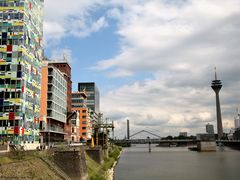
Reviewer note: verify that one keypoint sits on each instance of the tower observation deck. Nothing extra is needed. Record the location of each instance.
(216, 86)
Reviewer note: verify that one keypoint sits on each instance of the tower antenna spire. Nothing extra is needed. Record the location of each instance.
(215, 69)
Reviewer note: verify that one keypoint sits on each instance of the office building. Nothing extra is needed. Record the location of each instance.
(79, 100)
(209, 128)
(53, 104)
(183, 134)
(65, 68)
(93, 102)
(21, 55)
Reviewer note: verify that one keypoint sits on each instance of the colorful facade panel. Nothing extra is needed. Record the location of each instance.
(21, 55)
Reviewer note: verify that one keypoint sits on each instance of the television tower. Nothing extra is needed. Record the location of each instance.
(216, 86)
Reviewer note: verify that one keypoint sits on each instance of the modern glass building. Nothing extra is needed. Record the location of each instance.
(65, 68)
(91, 89)
(21, 55)
(53, 104)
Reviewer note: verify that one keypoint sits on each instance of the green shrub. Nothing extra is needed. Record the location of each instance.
(115, 153)
(97, 177)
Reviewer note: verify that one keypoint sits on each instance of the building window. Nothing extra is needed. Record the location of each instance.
(2, 68)
(7, 95)
(13, 94)
(9, 55)
(1, 94)
(7, 81)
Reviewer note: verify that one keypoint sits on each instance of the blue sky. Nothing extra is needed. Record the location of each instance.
(152, 60)
(87, 51)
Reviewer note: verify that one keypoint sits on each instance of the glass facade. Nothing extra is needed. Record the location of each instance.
(57, 93)
(78, 100)
(21, 55)
(92, 102)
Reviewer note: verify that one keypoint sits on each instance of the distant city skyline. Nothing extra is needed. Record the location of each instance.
(152, 60)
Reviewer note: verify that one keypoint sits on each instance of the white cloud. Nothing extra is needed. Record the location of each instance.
(52, 31)
(79, 29)
(61, 54)
(64, 18)
(156, 34)
(179, 43)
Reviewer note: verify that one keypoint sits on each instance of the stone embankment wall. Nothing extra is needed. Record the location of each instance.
(96, 154)
(73, 163)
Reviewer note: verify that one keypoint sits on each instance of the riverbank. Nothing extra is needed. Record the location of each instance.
(25, 165)
(110, 172)
(48, 165)
(104, 171)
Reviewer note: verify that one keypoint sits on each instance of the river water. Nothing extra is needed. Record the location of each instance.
(175, 163)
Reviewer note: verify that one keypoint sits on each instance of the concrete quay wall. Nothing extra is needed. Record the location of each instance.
(96, 154)
(206, 146)
(73, 163)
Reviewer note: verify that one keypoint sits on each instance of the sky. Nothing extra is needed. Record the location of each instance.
(152, 60)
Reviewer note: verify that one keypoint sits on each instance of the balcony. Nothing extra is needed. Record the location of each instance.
(49, 113)
(50, 72)
(50, 88)
(49, 106)
(50, 98)
(50, 81)
(54, 129)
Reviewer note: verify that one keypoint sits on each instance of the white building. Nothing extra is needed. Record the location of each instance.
(184, 134)
(237, 121)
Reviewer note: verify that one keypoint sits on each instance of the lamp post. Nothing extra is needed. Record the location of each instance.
(112, 134)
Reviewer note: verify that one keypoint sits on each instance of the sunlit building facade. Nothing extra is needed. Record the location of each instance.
(84, 124)
(21, 54)
(65, 68)
(53, 104)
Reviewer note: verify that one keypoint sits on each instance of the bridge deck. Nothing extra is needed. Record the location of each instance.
(159, 141)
